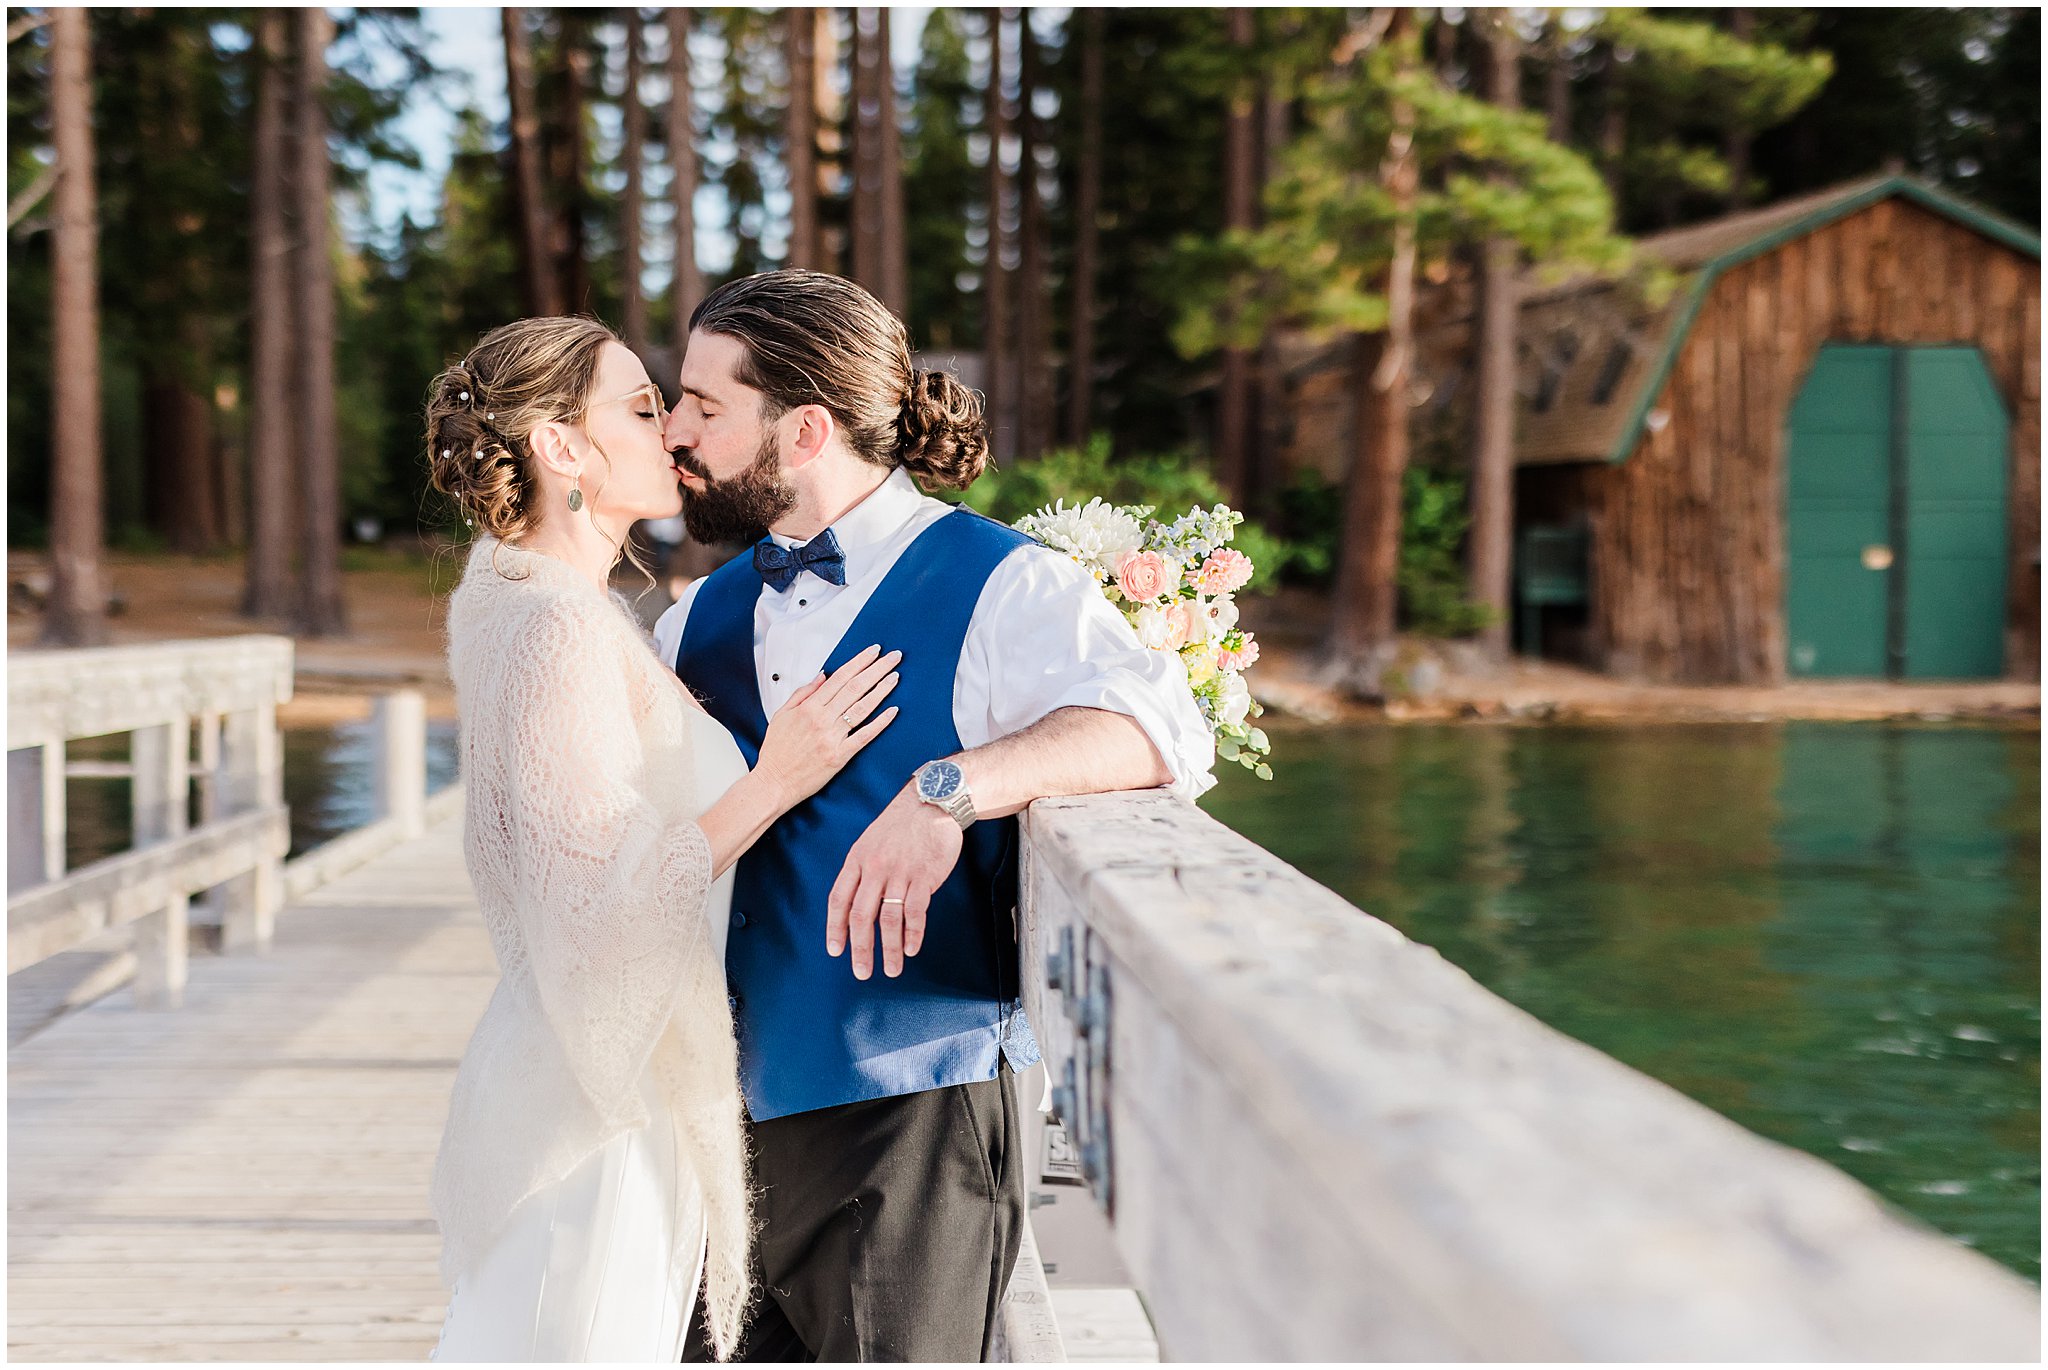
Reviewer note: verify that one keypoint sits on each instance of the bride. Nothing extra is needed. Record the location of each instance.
(591, 1178)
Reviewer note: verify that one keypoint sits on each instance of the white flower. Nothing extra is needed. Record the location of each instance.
(1222, 612)
(1151, 626)
(1098, 535)
(1235, 700)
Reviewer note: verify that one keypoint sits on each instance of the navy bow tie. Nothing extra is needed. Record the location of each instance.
(820, 556)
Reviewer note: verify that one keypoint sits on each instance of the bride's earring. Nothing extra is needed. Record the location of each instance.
(576, 496)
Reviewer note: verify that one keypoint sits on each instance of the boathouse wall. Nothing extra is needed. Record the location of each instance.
(1688, 537)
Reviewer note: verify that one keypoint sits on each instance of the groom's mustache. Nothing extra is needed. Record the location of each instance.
(685, 458)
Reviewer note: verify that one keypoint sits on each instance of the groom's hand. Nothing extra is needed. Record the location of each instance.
(906, 853)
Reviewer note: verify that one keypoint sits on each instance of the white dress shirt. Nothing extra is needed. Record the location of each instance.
(1043, 637)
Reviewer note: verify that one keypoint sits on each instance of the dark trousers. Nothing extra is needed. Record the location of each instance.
(889, 1228)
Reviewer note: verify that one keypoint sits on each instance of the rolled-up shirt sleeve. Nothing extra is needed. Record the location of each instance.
(1044, 637)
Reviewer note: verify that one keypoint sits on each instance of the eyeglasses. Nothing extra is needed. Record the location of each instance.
(649, 394)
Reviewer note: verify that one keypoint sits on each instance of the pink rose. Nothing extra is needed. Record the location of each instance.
(1179, 623)
(1142, 577)
(1241, 657)
(1224, 571)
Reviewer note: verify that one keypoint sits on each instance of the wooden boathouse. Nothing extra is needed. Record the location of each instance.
(1818, 455)
(1821, 458)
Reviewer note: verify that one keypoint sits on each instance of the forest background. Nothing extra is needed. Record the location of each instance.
(1106, 218)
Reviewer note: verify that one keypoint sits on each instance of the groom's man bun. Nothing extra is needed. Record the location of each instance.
(810, 338)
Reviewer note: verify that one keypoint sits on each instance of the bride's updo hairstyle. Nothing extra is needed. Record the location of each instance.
(810, 338)
(481, 410)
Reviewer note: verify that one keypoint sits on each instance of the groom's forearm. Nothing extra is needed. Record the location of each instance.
(1069, 751)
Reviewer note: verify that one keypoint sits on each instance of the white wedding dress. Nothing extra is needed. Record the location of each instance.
(586, 1269)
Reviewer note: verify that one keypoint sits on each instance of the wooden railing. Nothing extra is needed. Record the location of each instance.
(210, 830)
(1316, 1140)
(220, 695)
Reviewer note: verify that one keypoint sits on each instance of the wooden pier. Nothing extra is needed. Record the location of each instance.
(245, 1178)
(1304, 1137)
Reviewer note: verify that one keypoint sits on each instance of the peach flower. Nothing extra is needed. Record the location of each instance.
(1141, 576)
(1237, 660)
(1179, 623)
(1224, 571)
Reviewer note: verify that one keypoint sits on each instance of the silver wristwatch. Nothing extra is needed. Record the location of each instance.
(942, 785)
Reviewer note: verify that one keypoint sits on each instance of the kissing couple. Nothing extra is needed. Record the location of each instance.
(746, 1088)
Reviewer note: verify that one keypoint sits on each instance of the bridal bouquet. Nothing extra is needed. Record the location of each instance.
(1174, 582)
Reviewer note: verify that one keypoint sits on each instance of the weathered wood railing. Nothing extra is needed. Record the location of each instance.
(206, 772)
(223, 694)
(1316, 1140)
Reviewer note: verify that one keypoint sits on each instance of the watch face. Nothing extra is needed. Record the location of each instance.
(938, 780)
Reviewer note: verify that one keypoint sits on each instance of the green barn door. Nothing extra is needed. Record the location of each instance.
(1838, 515)
(1895, 516)
(1956, 456)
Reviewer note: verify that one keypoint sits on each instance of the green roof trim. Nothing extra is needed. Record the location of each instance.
(1994, 226)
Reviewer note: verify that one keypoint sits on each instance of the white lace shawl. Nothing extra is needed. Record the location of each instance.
(592, 873)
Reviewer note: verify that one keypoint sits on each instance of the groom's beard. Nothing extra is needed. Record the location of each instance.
(739, 509)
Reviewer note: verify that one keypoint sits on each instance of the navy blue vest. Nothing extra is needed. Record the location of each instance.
(810, 1035)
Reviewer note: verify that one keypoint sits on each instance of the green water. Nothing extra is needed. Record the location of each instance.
(1828, 932)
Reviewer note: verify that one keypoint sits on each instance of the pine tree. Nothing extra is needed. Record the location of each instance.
(633, 121)
(75, 615)
(1394, 170)
(321, 610)
(939, 189)
(272, 530)
(543, 292)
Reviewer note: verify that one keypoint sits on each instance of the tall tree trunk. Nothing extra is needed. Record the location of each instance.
(682, 156)
(866, 218)
(1264, 474)
(321, 611)
(1557, 83)
(800, 134)
(996, 279)
(1367, 592)
(1234, 394)
(633, 304)
(536, 269)
(1741, 23)
(1613, 128)
(895, 232)
(1034, 317)
(75, 615)
(178, 454)
(1087, 207)
(573, 173)
(1490, 547)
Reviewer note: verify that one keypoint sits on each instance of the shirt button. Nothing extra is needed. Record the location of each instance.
(739, 919)
(801, 603)
(776, 676)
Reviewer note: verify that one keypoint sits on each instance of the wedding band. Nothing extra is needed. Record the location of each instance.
(892, 901)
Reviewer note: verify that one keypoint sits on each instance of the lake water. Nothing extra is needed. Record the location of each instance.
(1829, 932)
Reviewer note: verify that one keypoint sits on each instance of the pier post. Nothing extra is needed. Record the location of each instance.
(160, 803)
(401, 767)
(251, 771)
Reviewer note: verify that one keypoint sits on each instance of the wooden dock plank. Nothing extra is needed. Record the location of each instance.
(245, 1178)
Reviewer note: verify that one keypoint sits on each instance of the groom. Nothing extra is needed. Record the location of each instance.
(884, 1121)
